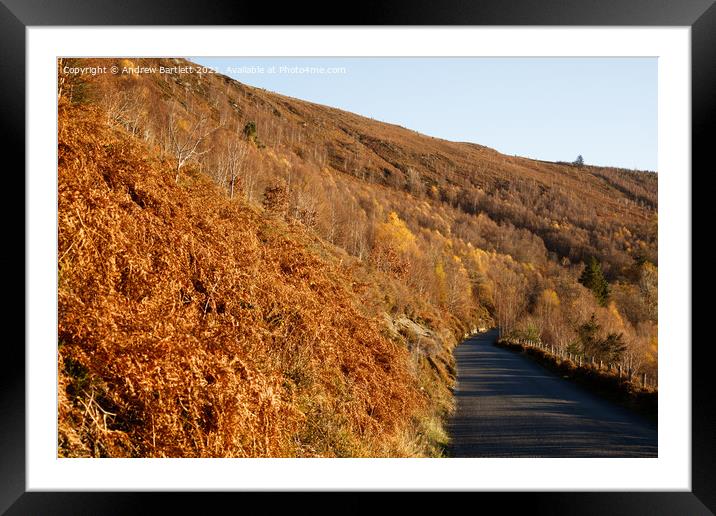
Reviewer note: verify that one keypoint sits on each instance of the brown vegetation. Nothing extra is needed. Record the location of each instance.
(194, 326)
(201, 220)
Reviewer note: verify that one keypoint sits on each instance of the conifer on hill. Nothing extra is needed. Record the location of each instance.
(592, 277)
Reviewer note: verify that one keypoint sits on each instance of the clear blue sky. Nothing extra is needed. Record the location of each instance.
(546, 108)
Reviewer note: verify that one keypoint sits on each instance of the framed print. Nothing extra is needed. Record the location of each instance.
(419, 252)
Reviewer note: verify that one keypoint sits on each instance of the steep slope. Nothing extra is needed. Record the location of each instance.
(193, 326)
(575, 212)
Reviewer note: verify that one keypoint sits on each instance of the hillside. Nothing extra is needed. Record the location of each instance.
(193, 326)
(247, 274)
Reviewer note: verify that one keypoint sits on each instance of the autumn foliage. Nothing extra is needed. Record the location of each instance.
(242, 273)
(193, 326)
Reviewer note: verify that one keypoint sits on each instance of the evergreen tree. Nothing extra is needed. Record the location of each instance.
(593, 278)
(609, 348)
(587, 336)
(579, 162)
(251, 131)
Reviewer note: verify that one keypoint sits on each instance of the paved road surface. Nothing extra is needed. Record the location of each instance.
(509, 406)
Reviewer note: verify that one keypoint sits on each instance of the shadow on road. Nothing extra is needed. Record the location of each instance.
(508, 406)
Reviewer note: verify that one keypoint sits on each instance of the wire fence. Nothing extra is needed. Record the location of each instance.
(626, 372)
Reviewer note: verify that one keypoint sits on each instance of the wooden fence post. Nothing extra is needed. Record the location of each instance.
(643, 380)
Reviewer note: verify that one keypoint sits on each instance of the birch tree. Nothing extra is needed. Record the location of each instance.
(185, 138)
(232, 163)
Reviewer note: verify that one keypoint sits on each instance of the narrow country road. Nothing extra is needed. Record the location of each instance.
(509, 406)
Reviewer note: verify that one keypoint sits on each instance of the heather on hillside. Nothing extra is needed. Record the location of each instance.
(246, 274)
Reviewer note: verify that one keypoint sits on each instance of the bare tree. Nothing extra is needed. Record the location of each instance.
(124, 108)
(509, 297)
(332, 218)
(231, 164)
(413, 182)
(184, 142)
(305, 206)
(250, 180)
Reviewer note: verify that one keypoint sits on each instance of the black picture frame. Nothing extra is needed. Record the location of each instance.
(17, 15)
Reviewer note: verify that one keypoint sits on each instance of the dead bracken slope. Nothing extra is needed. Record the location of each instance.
(191, 325)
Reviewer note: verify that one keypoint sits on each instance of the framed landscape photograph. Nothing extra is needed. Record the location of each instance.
(445, 249)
